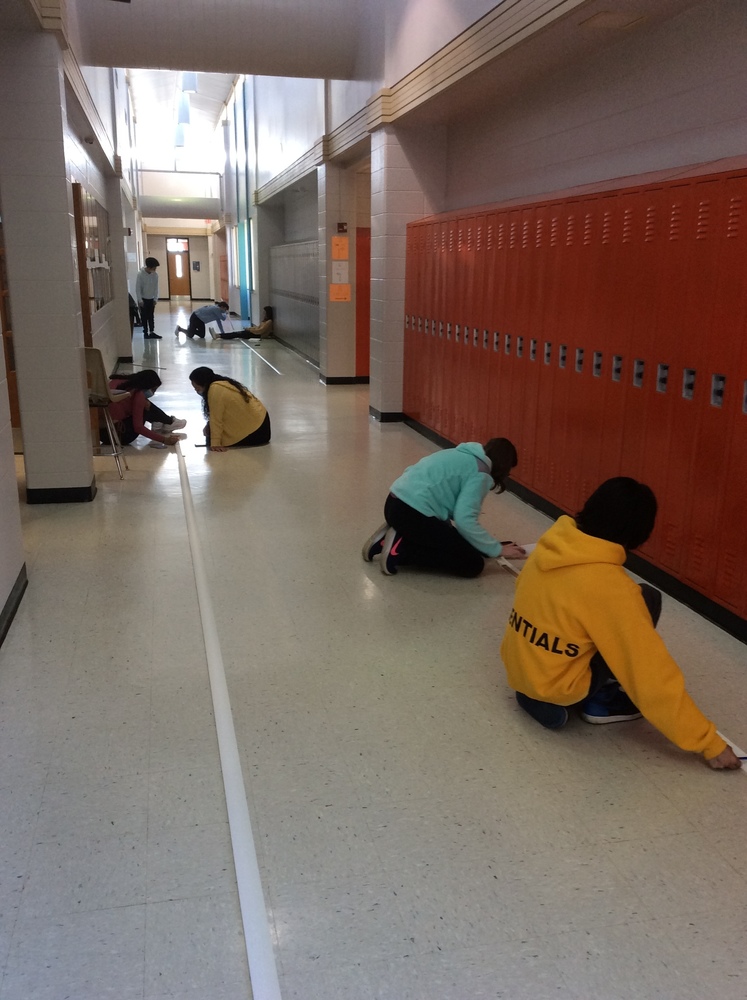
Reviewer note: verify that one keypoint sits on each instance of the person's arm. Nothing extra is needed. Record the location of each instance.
(220, 324)
(467, 512)
(621, 628)
(139, 288)
(139, 409)
(217, 403)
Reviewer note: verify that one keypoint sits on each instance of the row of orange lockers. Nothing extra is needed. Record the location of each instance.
(605, 336)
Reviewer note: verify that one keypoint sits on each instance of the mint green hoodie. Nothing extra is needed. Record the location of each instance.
(451, 485)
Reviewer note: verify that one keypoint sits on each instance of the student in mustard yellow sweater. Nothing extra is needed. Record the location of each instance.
(236, 418)
(582, 632)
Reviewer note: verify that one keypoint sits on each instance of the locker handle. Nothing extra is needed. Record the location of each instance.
(718, 384)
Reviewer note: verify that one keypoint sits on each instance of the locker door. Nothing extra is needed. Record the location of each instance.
(685, 309)
(563, 462)
(547, 307)
(718, 270)
(413, 359)
(729, 332)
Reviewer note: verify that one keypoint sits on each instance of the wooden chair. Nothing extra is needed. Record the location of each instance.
(100, 396)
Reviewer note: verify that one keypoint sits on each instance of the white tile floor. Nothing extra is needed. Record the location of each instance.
(418, 838)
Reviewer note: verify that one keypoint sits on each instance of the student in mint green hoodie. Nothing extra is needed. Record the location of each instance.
(433, 509)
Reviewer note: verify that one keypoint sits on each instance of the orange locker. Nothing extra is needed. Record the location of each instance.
(606, 336)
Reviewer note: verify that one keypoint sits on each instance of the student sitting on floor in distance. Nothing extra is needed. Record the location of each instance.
(261, 331)
(582, 632)
(235, 417)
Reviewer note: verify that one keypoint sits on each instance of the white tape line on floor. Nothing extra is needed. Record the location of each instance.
(259, 951)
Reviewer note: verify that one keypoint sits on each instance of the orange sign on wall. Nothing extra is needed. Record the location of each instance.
(339, 293)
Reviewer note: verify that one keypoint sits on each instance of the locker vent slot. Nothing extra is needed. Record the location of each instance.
(638, 366)
(562, 355)
(718, 382)
(533, 349)
(579, 359)
(507, 343)
(688, 383)
(617, 368)
(597, 364)
(662, 377)
(548, 352)
(496, 341)
(519, 347)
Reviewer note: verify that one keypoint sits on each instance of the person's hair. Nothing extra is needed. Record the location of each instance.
(503, 458)
(204, 377)
(138, 381)
(152, 262)
(223, 305)
(621, 510)
(268, 311)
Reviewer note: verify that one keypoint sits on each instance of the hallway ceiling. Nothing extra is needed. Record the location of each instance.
(221, 39)
(302, 38)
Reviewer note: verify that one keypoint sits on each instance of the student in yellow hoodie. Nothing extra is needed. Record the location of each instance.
(235, 417)
(582, 632)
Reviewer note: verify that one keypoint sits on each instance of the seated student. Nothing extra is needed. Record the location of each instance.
(201, 317)
(262, 330)
(236, 418)
(582, 632)
(132, 414)
(432, 511)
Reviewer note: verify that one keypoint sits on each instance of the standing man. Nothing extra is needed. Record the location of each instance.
(146, 293)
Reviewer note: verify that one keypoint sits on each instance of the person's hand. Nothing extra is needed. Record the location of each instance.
(173, 439)
(511, 550)
(217, 447)
(727, 760)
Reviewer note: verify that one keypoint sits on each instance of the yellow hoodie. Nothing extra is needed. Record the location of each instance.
(573, 598)
(232, 418)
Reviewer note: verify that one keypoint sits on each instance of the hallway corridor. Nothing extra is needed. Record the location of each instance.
(418, 837)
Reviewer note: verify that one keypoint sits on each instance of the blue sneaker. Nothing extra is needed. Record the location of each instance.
(609, 704)
(373, 545)
(548, 715)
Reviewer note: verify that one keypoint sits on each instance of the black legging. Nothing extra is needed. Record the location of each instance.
(196, 327)
(431, 542)
(260, 436)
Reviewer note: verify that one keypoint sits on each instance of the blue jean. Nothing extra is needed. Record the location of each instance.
(601, 674)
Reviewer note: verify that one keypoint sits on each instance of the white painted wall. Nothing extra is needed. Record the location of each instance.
(346, 98)
(416, 29)
(659, 100)
(290, 119)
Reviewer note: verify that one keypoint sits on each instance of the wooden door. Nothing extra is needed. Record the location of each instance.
(178, 269)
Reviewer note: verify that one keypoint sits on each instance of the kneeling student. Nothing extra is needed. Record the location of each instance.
(582, 632)
(235, 417)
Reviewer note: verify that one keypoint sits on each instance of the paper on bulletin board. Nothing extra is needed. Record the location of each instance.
(340, 272)
(340, 246)
(339, 293)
